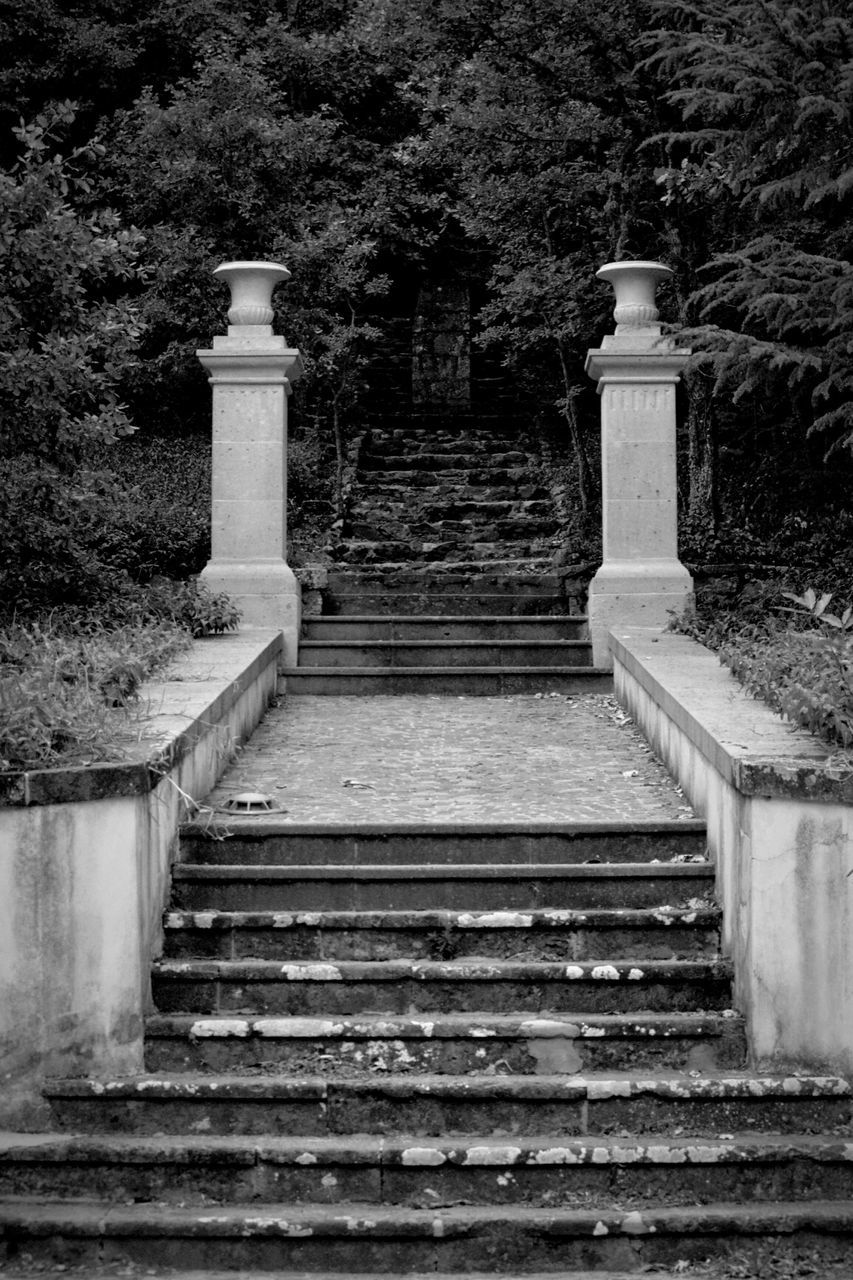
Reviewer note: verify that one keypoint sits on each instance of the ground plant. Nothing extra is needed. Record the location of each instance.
(796, 655)
(70, 681)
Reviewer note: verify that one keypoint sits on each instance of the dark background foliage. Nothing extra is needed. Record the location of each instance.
(375, 146)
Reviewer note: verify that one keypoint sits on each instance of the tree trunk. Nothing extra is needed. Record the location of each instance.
(702, 497)
(340, 459)
(584, 475)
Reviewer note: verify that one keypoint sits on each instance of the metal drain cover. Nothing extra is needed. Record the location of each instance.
(250, 802)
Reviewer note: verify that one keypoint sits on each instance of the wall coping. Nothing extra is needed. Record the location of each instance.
(198, 690)
(751, 746)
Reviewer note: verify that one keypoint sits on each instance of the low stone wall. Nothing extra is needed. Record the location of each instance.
(780, 827)
(85, 855)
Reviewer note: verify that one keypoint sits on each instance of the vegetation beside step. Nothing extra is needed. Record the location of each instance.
(70, 679)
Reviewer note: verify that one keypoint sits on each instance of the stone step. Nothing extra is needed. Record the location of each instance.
(616, 1104)
(450, 550)
(116, 1271)
(462, 459)
(426, 1172)
(510, 578)
(515, 478)
(445, 653)
(446, 1044)
(422, 530)
(447, 602)
(398, 1239)
(462, 681)
(387, 493)
(406, 627)
(306, 887)
(443, 935)
(443, 506)
(311, 987)
(272, 839)
(510, 517)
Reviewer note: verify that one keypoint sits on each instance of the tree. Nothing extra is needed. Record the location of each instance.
(765, 92)
(69, 327)
(534, 118)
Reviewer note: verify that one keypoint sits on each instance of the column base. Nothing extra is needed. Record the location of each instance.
(628, 593)
(267, 594)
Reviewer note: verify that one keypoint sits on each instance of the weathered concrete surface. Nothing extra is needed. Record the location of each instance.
(446, 759)
(399, 1239)
(83, 881)
(780, 825)
(434, 1105)
(447, 1044)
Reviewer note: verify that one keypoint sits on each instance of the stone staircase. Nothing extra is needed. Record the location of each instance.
(420, 1048)
(430, 1051)
(448, 490)
(444, 583)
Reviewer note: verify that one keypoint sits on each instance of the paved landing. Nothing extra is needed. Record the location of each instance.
(539, 758)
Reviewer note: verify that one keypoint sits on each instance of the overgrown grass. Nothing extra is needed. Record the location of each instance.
(70, 681)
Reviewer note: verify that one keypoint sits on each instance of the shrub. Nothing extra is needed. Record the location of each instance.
(803, 669)
(68, 331)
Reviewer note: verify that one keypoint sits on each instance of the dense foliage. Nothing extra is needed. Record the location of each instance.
(378, 146)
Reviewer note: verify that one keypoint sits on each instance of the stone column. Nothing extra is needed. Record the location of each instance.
(251, 370)
(641, 580)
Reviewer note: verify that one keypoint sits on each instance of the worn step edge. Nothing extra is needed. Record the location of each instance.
(384, 672)
(439, 619)
(272, 824)
(102, 1272)
(605, 973)
(473, 1026)
(445, 871)
(431, 646)
(88, 1219)
(555, 921)
(592, 1087)
(463, 1150)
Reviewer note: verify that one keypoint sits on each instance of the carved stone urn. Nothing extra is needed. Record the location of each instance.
(251, 285)
(634, 284)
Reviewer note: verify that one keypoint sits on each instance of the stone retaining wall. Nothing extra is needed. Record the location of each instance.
(780, 827)
(85, 855)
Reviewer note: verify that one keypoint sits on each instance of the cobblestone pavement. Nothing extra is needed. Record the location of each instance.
(551, 758)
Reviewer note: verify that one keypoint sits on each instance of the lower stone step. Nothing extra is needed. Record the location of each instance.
(269, 839)
(437, 1105)
(402, 627)
(369, 1237)
(116, 1271)
(454, 654)
(476, 887)
(452, 601)
(427, 1173)
(308, 987)
(467, 681)
(509, 587)
(447, 1044)
(650, 933)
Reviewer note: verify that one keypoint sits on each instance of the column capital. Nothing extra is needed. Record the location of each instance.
(266, 361)
(664, 363)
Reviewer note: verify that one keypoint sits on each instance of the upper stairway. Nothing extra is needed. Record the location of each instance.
(448, 491)
(444, 582)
